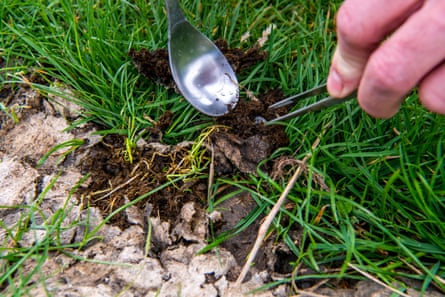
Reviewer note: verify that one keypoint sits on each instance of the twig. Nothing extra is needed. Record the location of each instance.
(419, 272)
(310, 291)
(119, 187)
(377, 281)
(266, 224)
(269, 219)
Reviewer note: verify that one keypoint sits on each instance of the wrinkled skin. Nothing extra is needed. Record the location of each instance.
(387, 48)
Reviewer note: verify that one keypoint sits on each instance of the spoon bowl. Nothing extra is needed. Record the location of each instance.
(201, 72)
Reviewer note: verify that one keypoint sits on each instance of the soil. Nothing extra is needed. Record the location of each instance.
(244, 141)
(154, 64)
(175, 216)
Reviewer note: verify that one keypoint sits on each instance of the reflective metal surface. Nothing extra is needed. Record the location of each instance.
(201, 72)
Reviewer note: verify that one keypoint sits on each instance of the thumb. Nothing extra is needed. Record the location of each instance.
(345, 72)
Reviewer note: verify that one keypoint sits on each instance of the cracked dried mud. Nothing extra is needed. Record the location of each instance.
(117, 261)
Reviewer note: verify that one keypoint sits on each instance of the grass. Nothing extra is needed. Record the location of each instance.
(47, 235)
(384, 208)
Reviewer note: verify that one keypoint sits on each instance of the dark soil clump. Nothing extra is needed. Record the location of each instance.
(116, 181)
(238, 143)
(244, 141)
(154, 65)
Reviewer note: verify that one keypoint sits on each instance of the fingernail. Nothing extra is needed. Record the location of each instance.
(335, 84)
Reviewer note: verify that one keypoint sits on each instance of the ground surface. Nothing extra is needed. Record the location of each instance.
(119, 262)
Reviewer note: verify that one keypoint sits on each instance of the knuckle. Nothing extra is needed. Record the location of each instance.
(377, 109)
(349, 27)
(388, 74)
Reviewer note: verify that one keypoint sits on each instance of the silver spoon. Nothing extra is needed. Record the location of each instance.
(201, 72)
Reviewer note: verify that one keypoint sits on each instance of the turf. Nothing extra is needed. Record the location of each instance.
(382, 206)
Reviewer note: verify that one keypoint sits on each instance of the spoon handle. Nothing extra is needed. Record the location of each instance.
(174, 12)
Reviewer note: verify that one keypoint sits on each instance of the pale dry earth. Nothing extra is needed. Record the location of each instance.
(117, 263)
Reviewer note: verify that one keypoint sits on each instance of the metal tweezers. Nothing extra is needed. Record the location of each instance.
(323, 103)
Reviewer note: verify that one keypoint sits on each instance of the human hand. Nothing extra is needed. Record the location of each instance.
(385, 49)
